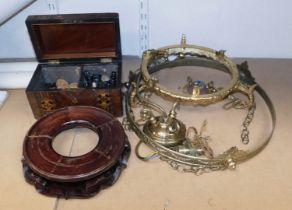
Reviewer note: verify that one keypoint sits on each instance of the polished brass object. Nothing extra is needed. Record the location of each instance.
(152, 58)
(166, 131)
(187, 149)
(196, 144)
(198, 87)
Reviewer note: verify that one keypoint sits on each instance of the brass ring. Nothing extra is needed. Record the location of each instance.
(195, 164)
(160, 57)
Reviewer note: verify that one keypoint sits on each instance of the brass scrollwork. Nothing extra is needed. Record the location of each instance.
(186, 149)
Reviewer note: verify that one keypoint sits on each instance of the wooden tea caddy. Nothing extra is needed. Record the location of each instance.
(83, 50)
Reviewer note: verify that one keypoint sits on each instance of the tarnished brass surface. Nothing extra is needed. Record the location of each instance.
(156, 58)
(164, 132)
(186, 149)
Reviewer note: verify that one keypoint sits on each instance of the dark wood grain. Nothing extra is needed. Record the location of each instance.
(74, 40)
(81, 176)
(75, 36)
(76, 97)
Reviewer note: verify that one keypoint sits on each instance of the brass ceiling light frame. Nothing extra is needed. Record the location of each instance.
(183, 51)
(165, 134)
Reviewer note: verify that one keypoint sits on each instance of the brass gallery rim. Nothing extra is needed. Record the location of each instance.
(185, 51)
(163, 132)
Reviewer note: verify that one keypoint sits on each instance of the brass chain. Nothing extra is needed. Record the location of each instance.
(237, 103)
(248, 119)
(199, 165)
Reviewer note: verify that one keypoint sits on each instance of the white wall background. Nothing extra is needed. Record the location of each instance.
(15, 42)
(245, 28)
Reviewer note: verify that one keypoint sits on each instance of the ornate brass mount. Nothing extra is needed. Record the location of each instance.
(183, 148)
(167, 131)
(155, 59)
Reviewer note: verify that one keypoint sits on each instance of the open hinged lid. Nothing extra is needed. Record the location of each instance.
(75, 36)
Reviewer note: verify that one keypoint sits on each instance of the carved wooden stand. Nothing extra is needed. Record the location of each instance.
(82, 176)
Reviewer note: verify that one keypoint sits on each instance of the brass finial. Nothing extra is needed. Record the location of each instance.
(183, 42)
(172, 113)
(220, 54)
